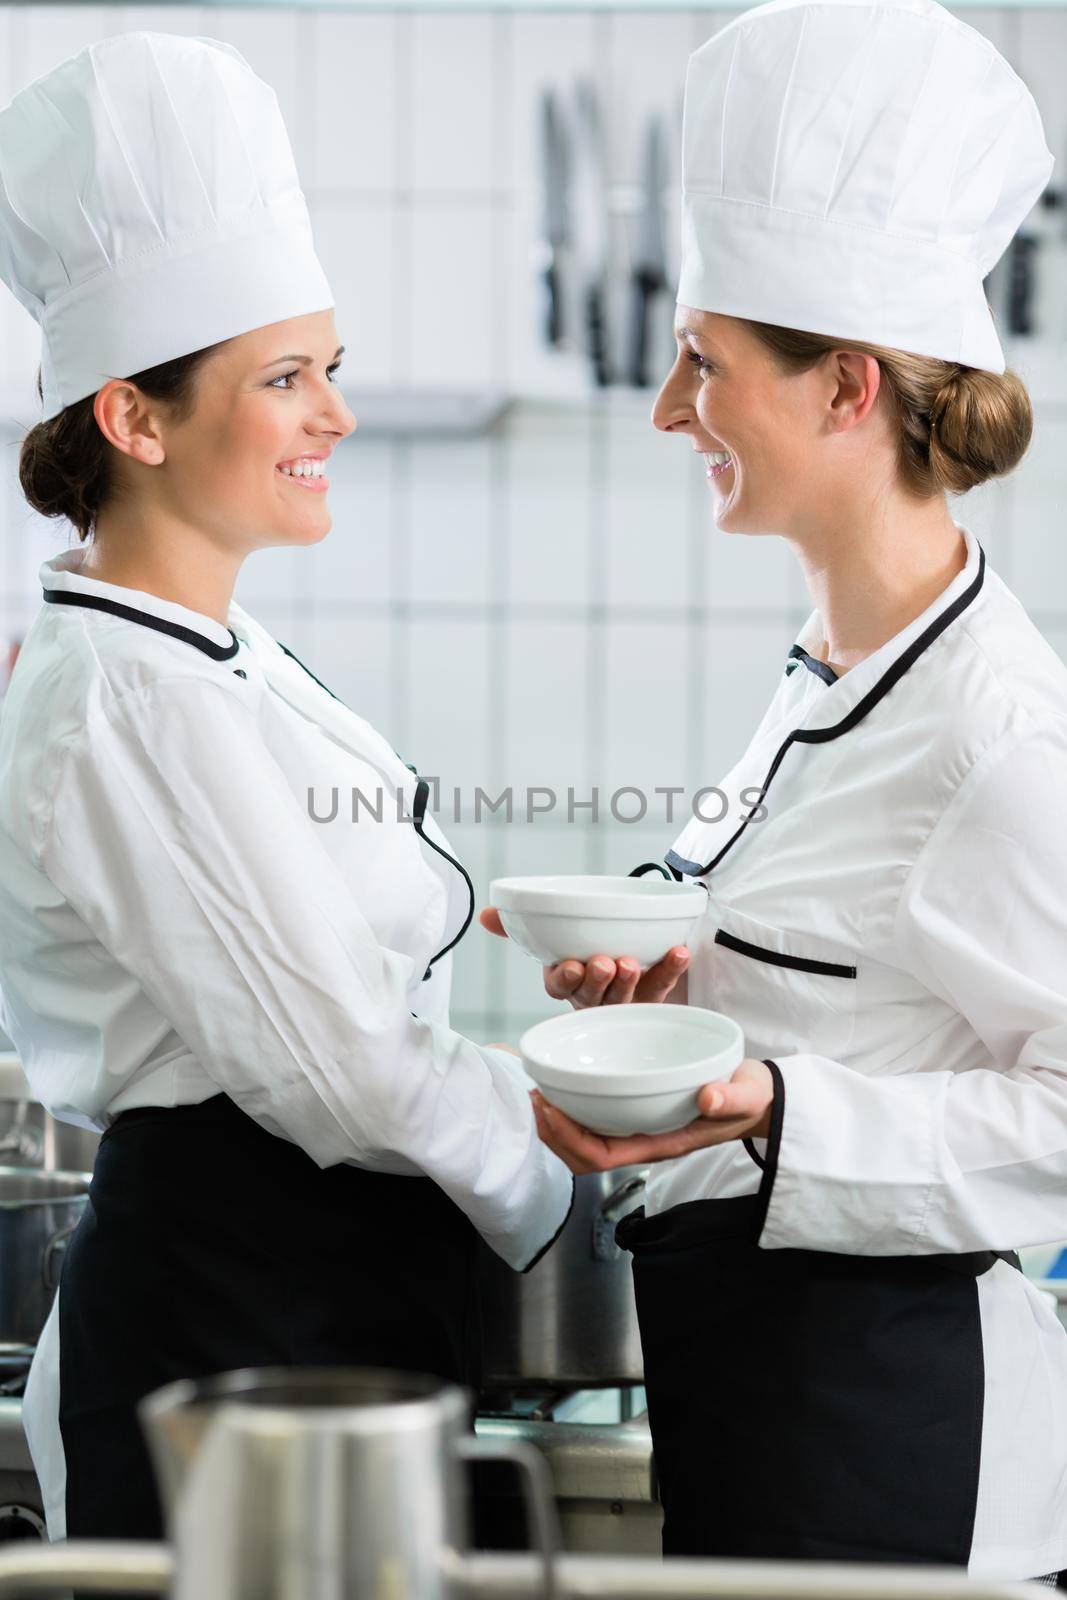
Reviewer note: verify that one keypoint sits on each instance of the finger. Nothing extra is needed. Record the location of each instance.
(622, 986)
(599, 972)
(583, 1150)
(563, 978)
(658, 981)
(557, 1137)
(489, 917)
(644, 1148)
(737, 1098)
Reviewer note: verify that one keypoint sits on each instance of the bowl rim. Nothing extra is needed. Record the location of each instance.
(657, 1080)
(527, 896)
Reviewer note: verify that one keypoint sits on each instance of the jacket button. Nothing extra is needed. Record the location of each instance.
(239, 672)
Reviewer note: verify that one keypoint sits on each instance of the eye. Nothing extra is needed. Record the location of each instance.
(705, 368)
(285, 376)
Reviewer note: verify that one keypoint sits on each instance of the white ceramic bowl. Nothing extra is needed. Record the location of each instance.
(631, 1068)
(554, 918)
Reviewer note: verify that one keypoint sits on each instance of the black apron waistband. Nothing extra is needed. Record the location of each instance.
(217, 1109)
(739, 1220)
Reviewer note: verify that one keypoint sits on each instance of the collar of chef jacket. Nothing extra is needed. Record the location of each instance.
(837, 711)
(63, 584)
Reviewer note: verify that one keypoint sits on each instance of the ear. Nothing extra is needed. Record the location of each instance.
(129, 422)
(855, 381)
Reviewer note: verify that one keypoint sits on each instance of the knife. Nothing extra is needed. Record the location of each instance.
(591, 230)
(650, 255)
(553, 174)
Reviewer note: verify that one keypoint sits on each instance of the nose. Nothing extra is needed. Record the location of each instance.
(349, 421)
(672, 410)
(342, 419)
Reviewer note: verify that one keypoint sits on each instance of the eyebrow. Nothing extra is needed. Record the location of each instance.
(305, 361)
(685, 332)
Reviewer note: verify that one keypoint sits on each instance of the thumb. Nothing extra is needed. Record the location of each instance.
(490, 920)
(739, 1097)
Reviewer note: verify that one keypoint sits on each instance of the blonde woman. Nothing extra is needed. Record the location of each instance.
(843, 1359)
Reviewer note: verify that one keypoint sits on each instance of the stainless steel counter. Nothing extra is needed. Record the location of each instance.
(14, 1451)
(604, 1481)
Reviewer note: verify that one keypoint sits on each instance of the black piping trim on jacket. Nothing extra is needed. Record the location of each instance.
(753, 1152)
(759, 952)
(655, 866)
(546, 1247)
(861, 709)
(422, 793)
(821, 669)
(310, 674)
(774, 1143)
(422, 790)
(96, 602)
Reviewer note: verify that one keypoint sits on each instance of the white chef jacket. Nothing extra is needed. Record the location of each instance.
(891, 930)
(177, 917)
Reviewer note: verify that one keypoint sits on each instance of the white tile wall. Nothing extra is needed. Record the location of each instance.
(550, 605)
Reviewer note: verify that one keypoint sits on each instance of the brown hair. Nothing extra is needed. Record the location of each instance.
(66, 466)
(957, 426)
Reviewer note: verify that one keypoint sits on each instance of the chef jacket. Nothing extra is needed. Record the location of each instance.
(187, 907)
(887, 920)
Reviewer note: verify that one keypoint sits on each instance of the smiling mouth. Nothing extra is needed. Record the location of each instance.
(312, 484)
(717, 462)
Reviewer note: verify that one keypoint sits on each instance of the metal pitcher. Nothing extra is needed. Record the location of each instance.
(324, 1484)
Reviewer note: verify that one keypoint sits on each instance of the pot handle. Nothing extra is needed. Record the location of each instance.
(56, 1246)
(541, 1518)
(608, 1213)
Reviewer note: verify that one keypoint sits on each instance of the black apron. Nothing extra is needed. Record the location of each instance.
(806, 1404)
(208, 1244)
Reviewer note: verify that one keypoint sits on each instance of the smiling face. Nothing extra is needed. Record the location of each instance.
(725, 394)
(264, 400)
(267, 399)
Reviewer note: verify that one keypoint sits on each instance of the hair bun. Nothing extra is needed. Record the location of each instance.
(980, 427)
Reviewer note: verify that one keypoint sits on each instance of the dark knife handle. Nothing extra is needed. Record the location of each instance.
(597, 329)
(645, 286)
(1021, 283)
(552, 320)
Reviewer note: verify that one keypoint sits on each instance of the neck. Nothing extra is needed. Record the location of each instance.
(182, 566)
(869, 581)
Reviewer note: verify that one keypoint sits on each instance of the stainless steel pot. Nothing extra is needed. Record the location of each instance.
(572, 1318)
(38, 1213)
(30, 1136)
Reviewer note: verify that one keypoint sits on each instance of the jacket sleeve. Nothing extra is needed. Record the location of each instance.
(933, 1160)
(175, 836)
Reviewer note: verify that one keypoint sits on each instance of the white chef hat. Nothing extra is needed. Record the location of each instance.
(855, 168)
(149, 207)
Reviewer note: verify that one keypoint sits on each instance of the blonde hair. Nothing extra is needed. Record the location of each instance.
(957, 426)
